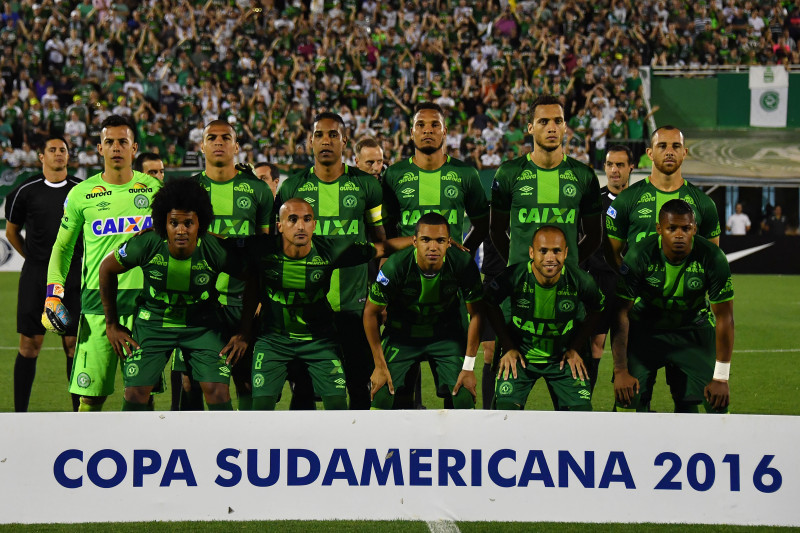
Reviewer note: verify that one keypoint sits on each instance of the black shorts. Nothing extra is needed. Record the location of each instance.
(32, 293)
(607, 282)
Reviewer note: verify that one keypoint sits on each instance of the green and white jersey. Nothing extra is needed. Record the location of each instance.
(422, 307)
(671, 296)
(293, 291)
(343, 209)
(242, 206)
(535, 197)
(451, 190)
(634, 212)
(544, 319)
(107, 215)
(177, 292)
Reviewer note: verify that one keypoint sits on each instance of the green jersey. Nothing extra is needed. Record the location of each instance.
(668, 296)
(451, 190)
(535, 197)
(343, 209)
(634, 212)
(177, 292)
(107, 215)
(293, 291)
(242, 206)
(544, 319)
(426, 307)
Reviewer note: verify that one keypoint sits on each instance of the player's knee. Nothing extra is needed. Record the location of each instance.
(29, 347)
(505, 404)
(687, 407)
(264, 403)
(383, 399)
(334, 403)
(579, 407)
(463, 399)
(216, 392)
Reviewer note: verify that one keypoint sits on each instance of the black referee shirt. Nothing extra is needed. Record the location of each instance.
(597, 261)
(38, 205)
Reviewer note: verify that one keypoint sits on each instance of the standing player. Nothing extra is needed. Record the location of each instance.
(369, 157)
(545, 187)
(37, 206)
(433, 181)
(618, 166)
(242, 206)
(347, 205)
(108, 208)
(294, 272)
(151, 164)
(423, 293)
(269, 174)
(665, 319)
(547, 331)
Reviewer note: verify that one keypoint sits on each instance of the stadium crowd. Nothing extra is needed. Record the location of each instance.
(268, 67)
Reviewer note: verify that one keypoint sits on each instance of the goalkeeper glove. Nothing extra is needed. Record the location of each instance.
(55, 317)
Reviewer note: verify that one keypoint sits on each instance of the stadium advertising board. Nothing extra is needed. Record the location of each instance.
(481, 465)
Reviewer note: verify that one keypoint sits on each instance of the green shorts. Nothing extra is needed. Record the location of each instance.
(445, 357)
(95, 363)
(688, 356)
(200, 348)
(568, 392)
(273, 353)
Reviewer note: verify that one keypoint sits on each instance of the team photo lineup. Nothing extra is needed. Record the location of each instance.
(360, 264)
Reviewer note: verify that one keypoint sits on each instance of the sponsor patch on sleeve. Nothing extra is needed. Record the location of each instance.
(382, 279)
(612, 212)
(122, 250)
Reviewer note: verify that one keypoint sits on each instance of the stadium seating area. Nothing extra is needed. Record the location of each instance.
(268, 67)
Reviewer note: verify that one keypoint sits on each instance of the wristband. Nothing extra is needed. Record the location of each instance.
(469, 363)
(55, 290)
(722, 371)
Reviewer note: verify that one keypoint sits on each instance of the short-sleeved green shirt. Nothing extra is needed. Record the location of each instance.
(668, 296)
(634, 212)
(293, 298)
(343, 209)
(107, 215)
(544, 319)
(177, 292)
(425, 307)
(451, 190)
(242, 206)
(535, 197)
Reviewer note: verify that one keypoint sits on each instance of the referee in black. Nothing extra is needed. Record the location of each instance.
(37, 205)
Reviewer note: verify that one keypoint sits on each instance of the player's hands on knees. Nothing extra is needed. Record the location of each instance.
(508, 363)
(467, 379)
(121, 341)
(235, 349)
(380, 377)
(625, 386)
(717, 394)
(575, 362)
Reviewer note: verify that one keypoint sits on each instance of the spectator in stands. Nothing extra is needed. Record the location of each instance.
(738, 223)
(774, 224)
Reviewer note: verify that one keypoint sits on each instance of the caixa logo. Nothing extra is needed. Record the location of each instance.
(114, 226)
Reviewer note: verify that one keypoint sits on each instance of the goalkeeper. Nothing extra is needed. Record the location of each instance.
(108, 208)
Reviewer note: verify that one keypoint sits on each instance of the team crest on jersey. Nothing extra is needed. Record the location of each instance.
(694, 283)
(350, 201)
(382, 279)
(505, 388)
(451, 191)
(141, 201)
(258, 380)
(202, 278)
(98, 191)
(83, 380)
(566, 306)
(244, 187)
(316, 275)
(132, 370)
(243, 202)
(569, 190)
(568, 175)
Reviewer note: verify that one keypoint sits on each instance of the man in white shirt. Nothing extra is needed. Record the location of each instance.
(738, 223)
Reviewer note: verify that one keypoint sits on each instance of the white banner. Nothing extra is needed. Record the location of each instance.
(473, 466)
(769, 96)
(10, 260)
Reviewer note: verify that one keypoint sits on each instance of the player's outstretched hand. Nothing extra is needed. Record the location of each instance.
(380, 377)
(625, 386)
(235, 349)
(467, 379)
(509, 363)
(55, 317)
(458, 245)
(121, 341)
(717, 394)
(575, 362)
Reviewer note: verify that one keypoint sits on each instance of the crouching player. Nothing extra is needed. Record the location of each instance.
(290, 275)
(178, 305)
(665, 319)
(554, 308)
(420, 289)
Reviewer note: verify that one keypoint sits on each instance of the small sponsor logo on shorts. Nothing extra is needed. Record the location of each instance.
(225, 370)
(584, 394)
(83, 380)
(132, 370)
(505, 389)
(569, 190)
(144, 314)
(141, 201)
(243, 202)
(258, 380)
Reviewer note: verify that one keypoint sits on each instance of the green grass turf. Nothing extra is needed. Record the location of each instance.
(765, 309)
